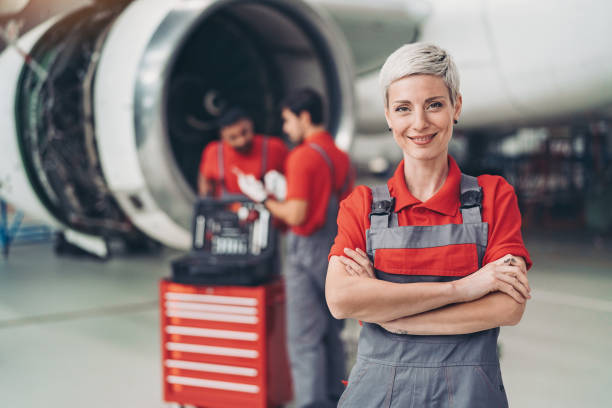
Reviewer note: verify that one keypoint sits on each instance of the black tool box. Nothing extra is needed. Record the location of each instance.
(233, 243)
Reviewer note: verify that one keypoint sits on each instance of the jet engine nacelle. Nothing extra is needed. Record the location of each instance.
(105, 135)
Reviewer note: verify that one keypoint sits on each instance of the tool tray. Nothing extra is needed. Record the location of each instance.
(233, 243)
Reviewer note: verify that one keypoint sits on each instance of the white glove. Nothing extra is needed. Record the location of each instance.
(252, 188)
(276, 184)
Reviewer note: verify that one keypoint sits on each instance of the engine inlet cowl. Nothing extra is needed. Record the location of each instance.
(159, 93)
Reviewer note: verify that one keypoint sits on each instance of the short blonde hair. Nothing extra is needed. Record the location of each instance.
(420, 59)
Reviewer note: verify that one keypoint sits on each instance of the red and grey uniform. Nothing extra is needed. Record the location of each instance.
(318, 172)
(218, 160)
(395, 370)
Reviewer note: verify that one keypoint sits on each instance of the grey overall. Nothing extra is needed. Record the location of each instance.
(316, 351)
(395, 370)
(221, 168)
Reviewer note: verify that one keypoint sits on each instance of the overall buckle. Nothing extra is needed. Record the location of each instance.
(471, 199)
(383, 207)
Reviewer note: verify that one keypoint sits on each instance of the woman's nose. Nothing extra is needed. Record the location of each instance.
(420, 120)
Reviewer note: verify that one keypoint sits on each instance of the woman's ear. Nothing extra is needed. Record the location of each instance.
(458, 104)
(387, 118)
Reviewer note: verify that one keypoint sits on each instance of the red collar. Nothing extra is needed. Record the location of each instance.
(445, 201)
(322, 136)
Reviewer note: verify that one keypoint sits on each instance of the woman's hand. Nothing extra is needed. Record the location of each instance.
(507, 274)
(357, 263)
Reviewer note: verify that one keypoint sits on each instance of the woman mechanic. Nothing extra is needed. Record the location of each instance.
(433, 262)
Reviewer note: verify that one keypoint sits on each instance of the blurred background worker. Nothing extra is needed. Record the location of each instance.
(240, 148)
(319, 175)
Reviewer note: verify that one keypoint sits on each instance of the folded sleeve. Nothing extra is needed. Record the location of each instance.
(353, 221)
(504, 225)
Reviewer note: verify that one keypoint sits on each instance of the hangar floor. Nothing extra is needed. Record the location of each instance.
(80, 333)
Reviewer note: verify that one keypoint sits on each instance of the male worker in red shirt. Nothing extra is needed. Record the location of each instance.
(240, 148)
(319, 175)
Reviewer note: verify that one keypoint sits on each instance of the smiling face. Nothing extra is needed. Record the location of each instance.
(421, 115)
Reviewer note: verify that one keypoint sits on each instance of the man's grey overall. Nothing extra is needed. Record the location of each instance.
(316, 351)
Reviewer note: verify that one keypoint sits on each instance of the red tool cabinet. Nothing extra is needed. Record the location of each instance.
(224, 346)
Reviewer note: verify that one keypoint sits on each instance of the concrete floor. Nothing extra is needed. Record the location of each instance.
(76, 332)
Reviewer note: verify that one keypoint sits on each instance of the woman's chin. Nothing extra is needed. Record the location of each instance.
(423, 154)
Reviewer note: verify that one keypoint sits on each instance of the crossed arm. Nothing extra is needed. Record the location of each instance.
(493, 296)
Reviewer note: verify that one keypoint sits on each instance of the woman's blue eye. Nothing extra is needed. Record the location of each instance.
(401, 109)
(436, 105)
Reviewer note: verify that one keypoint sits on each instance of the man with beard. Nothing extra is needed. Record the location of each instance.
(239, 150)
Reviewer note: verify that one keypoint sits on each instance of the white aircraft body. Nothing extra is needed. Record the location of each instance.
(106, 108)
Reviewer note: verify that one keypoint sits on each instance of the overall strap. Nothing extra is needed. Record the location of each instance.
(329, 162)
(382, 214)
(323, 153)
(471, 200)
(264, 157)
(221, 168)
(471, 204)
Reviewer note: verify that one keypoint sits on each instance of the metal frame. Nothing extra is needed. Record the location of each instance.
(12, 231)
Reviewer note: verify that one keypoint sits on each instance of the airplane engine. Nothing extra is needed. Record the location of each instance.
(110, 122)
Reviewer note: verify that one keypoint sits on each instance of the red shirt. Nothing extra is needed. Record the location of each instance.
(499, 209)
(249, 163)
(309, 178)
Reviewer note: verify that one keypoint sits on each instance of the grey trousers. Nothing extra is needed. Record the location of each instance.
(316, 351)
